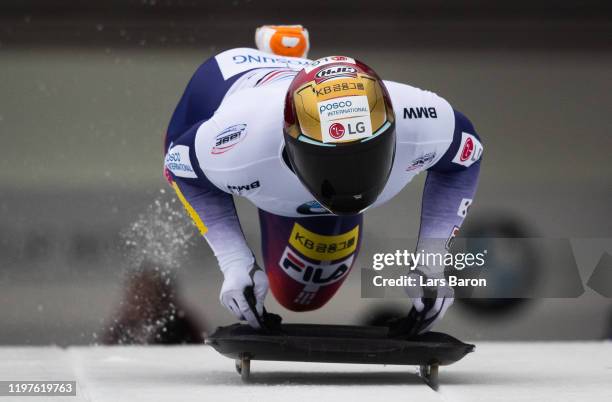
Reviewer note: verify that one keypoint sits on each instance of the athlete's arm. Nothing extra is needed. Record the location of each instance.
(449, 190)
(450, 187)
(214, 213)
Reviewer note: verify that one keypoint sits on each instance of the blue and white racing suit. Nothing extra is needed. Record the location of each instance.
(225, 139)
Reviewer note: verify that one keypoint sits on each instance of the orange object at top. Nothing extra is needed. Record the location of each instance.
(283, 40)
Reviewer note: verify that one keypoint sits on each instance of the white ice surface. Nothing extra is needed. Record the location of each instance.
(495, 372)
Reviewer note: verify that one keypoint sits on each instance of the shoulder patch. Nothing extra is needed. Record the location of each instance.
(469, 150)
(178, 162)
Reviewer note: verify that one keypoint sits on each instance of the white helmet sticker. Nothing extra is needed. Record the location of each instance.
(345, 119)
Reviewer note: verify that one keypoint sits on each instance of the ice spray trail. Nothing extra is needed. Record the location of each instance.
(154, 246)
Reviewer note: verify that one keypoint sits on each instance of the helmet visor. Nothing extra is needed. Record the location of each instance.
(348, 178)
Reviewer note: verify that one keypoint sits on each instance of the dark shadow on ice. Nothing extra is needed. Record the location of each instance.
(321, 378)
(272, 378)
(408, 377)
(483, 378)
(335, 378)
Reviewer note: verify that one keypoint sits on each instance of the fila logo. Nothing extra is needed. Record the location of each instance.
(311, 274)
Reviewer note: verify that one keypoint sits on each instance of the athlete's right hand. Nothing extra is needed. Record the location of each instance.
(243, 293)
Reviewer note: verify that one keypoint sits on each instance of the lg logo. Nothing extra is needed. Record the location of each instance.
(337, 130)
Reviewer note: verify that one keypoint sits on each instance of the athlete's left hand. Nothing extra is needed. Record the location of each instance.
(243, 293)
(429, 305)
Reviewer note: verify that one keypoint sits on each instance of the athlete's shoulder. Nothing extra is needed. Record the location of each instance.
(431, 132)
(235, 61)
(420, 115)
(246, 129)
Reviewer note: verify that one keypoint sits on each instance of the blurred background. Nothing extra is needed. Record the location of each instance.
(87, 88)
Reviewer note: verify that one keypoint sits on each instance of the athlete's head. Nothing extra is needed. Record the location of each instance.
(340, 133)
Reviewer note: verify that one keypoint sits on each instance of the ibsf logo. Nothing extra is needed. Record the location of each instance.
(336, 131)
(229, 138)
(336, 71)
(468, 148)
(308, 273)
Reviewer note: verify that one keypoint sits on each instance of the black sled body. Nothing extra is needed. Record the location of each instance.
(337, 344)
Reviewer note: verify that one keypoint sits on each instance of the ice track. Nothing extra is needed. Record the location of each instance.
(495, 372)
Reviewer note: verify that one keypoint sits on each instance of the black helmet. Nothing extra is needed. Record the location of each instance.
(340, 133)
